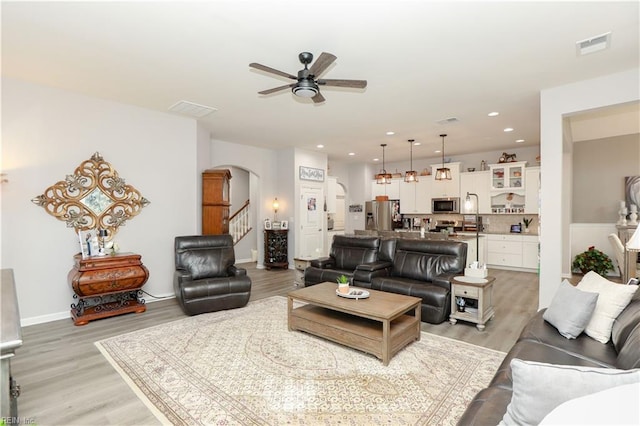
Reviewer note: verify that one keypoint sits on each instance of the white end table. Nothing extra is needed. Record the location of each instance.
(478, 289)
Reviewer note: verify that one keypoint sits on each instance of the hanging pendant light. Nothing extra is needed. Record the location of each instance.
(411, 175)
(383, 177)
(443, 173)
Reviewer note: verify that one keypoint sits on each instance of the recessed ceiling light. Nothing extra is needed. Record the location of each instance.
(508, 129)
(493, 114)
(390, 133)
(520, 141)
(437, 151)
(352, 153)
(417, 143)
(320, 146)
(376, 159)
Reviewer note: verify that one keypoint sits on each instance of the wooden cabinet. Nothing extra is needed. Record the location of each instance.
(476, 183)
(106, 286)
(415, 197)
(446, 188)
(276, 249)
(215, 202)
(530, 252)
(478, 290)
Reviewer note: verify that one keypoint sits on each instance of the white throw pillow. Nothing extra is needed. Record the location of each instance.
(621, 402)
(612, 299)
(538, 388)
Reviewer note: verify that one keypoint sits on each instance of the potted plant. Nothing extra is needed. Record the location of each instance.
(592, 260)
(526, 222)
(343, 284)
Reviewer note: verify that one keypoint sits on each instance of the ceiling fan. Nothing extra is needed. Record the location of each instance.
(307, 81)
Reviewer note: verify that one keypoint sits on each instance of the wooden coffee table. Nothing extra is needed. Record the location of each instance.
(378, 325)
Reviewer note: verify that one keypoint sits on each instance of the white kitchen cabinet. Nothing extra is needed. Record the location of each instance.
(508, 177)
(531, 193)
(332, 192)
(512, 251)
(476, 183)
(415, 198)
(391, 190)
(472, 247)
(446, 188)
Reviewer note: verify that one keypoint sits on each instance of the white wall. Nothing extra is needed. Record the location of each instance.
(46, 134)
(556, 103)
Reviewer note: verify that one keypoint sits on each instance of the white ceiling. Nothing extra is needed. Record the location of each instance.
(424, 61)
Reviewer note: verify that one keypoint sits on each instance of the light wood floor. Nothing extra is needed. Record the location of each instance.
(66, 381)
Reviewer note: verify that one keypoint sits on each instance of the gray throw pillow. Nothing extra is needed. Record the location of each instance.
(538, 388)
(570, 310)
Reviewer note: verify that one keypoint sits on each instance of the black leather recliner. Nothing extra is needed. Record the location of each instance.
(347, 253)
(424, 269)
(206, 279)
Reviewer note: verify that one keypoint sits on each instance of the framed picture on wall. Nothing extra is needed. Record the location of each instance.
(267, 224)
(284, 224)
(311, 173)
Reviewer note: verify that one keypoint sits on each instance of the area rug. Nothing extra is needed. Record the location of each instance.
(243, 367)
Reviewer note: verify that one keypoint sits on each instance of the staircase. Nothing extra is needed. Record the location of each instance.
(239, 223)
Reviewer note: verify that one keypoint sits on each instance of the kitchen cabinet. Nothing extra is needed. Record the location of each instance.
(391, 190)
(531, 190)
(446, 188)
(513, 251)
(508, 177)
(415, 197)
(332, 193)
(477, 183)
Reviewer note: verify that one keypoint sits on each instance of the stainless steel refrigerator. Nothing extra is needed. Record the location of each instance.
(382, 215)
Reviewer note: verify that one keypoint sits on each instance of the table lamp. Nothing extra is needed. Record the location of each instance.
(102, 233)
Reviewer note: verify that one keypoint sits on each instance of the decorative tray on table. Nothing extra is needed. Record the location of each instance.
(354, 293)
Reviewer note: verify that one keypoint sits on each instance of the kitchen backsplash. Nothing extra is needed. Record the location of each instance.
(493, 223)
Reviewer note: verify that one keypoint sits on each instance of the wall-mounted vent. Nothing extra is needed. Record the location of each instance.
(593, 44)
(449, 120)
(191, 109)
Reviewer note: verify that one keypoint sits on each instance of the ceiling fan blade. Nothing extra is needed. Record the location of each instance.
(277, 89)
(358, 84)
(272, 70)
(322, 63)
(318, 98)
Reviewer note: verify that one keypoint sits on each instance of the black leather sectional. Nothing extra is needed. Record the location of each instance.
(419, 268)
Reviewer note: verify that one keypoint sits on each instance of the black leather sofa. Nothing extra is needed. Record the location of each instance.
(346, 254)
(541, 342)
(419, 268)
(206, 279)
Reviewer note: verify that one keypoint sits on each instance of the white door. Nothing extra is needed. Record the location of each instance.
(311, 221)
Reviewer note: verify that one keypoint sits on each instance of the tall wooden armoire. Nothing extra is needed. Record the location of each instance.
(215, 201)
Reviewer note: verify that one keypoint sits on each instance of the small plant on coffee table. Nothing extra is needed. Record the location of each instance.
(343, 279)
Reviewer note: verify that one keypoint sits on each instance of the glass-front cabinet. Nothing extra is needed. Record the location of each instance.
(508, 176)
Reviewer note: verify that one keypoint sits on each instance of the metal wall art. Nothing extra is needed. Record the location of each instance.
(93, 197)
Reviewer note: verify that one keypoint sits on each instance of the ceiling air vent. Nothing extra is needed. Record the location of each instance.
(449, 120)
(593, 44)
(191, 109)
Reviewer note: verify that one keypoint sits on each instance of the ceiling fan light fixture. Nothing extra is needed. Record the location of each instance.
(305, 89)
(443, 173)
(411, 175)
(383, 177)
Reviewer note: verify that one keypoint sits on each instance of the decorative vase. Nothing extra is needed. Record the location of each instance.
(343, 288)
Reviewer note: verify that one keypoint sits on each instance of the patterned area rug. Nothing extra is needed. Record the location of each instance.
(244, 367)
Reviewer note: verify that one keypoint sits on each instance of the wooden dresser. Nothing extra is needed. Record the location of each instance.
(215, 201)
(106, 286)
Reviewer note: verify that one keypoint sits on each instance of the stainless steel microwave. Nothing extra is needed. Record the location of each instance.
(445, 205)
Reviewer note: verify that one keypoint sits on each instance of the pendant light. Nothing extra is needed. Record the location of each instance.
(411, 175)
(383, 177)
(443, 173)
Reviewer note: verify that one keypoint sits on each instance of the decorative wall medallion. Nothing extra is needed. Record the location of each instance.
(93, 197)
(310, 173)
